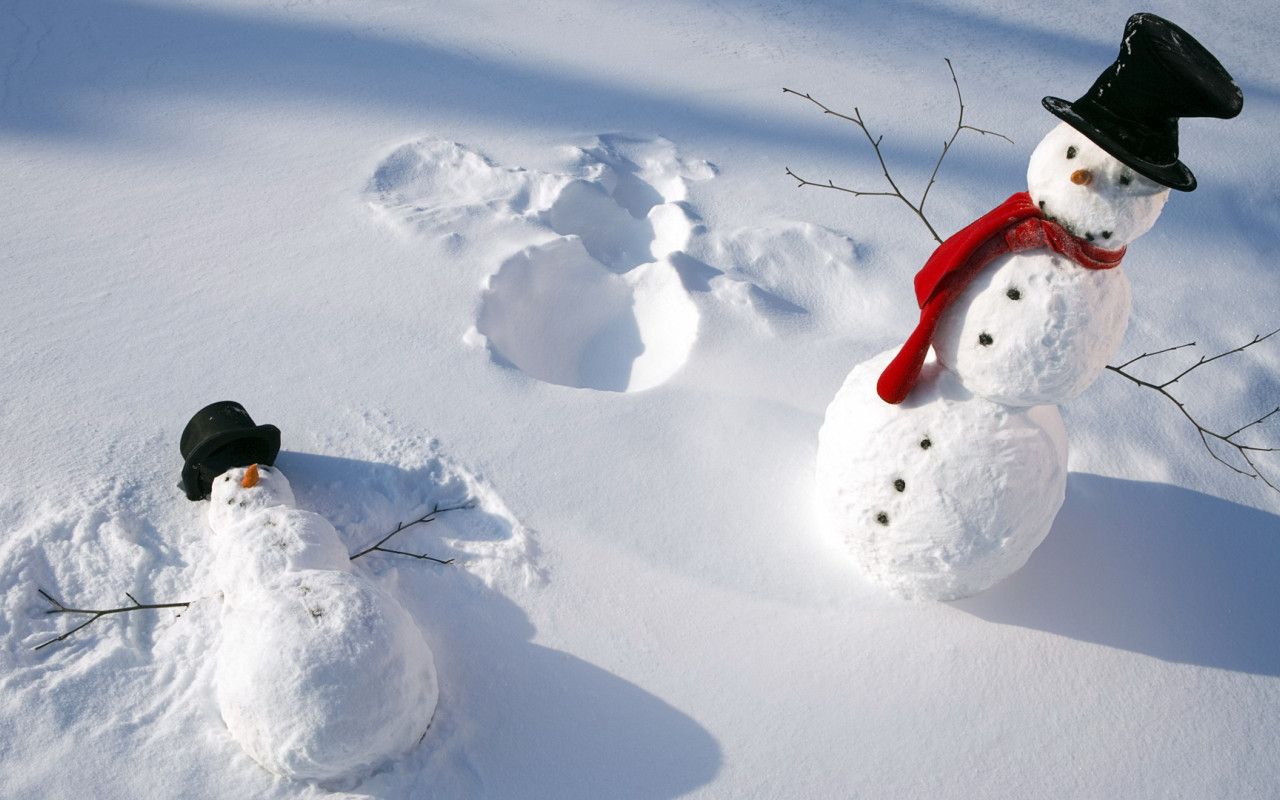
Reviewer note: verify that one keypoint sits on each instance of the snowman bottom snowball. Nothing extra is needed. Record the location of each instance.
(945, 494)
(320, 674)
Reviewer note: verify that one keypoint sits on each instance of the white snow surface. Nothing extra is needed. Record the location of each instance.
(544, 258)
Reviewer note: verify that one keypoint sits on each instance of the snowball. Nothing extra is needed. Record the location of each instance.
(321, 674)
(945, 494)
(1115, 206)
(231, 503)
(1034, 328)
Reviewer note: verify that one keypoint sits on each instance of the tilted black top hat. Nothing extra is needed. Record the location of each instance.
(1161, 75)
(221, 436)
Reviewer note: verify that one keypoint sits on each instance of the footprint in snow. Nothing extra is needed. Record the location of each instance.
(599, 304)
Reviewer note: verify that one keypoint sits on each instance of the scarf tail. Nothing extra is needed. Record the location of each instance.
(899, 378)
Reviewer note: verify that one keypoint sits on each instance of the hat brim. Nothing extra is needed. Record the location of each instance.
(261, 445)
(1175, 175)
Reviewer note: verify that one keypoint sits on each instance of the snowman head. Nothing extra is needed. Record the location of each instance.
(1091, 194)
(235, 497)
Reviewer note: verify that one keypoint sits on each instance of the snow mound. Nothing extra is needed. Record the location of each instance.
(592, 300)
(795, 274)
(554, 313)
(321, 673)
(430, 185)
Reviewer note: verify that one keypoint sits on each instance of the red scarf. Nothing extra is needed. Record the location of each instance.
(1013, 226)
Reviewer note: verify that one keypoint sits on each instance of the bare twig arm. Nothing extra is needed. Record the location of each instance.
(856, 119)
(96, 614)
(830, 185)
(946, 147)
(1203, 360)
(875, 146)
(425, 518)
(1247, 452)
(1154, 353)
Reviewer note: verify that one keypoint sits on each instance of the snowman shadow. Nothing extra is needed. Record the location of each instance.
(515, 719)
(519, 719)
(1153, 569)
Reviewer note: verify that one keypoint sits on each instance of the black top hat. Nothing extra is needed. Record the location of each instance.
(1161, 75)
(221, 436)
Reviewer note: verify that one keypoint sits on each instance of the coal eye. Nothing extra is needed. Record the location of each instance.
(1125, 180)
(1071, 151)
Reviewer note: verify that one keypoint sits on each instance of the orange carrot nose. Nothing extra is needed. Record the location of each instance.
(1082, 177)
(250, 477)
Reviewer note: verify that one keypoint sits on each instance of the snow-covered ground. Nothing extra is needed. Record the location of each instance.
(545, 256)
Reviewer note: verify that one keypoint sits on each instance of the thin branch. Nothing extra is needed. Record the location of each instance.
(1204, 360)
(1155, 353)
(1257, 421)
(1246, 452)
(960, 126)
(428, 517)
(875, 145)
(97, 614)
(830, 185)
(856, 119)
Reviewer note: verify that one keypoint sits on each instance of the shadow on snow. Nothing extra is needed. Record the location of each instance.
(1153, 569)
(516, 719)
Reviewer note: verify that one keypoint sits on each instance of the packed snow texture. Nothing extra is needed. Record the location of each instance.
(945, 494)
(438, 245)
(1034, 328)
(321, 674)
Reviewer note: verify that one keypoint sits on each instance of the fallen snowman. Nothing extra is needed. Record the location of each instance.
(942, 474)
(320, 674)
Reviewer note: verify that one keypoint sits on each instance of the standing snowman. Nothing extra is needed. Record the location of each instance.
(320, 673)
(944, 473)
